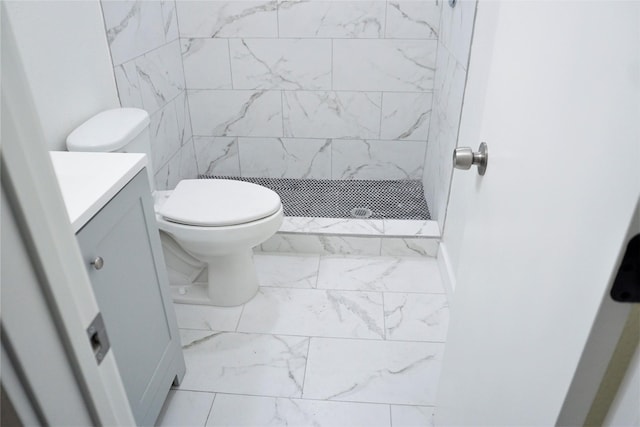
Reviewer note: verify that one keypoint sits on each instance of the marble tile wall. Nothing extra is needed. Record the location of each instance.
(454, 43)
(147, 59)
(309, 88)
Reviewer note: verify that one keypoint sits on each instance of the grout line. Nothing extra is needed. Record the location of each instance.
(311, 399)
(278, 19)
(240, 317)
(315, 286)
(369, 39)
(282, 111)
(272, 334)
(390, 416)
(386, 19)
(381, 106)
(384, 319)
(306, 365)
(211, 408)
(313, 91)
(230, 67)
(332, 69)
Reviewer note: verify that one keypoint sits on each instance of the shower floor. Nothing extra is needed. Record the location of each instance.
(326, 198)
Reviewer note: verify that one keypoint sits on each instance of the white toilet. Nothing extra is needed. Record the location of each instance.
(208, 226)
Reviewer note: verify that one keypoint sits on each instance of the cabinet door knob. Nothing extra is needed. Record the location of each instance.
(98, 263)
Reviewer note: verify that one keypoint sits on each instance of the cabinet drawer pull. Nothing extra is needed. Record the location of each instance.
(98, 263)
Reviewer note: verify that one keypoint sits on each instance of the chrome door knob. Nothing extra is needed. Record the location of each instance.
(464, 158)
(98, 263)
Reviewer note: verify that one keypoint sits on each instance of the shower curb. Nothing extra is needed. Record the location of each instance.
(341, 236)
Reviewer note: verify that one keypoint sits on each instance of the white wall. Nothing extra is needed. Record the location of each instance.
(66, 60)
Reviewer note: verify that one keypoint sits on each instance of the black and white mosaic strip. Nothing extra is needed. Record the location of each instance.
(325, 198)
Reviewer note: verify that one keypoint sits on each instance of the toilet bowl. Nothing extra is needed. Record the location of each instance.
(208, 226)
(218, 222)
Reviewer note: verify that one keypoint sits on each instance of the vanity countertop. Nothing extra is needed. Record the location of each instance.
(89, 180)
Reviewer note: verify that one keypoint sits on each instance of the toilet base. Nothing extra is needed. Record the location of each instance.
(232, 281)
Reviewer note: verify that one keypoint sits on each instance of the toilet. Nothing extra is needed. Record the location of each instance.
(208, 227)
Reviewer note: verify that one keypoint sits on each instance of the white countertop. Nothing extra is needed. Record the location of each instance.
(89, 180)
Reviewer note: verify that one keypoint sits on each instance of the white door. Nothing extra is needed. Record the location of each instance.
(554, 90)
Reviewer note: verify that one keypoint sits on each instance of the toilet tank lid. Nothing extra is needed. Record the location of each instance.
(109, 130)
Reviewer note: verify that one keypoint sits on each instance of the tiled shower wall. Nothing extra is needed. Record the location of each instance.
(300, 89)
(456, 29)
(145, 49)
(310, 89)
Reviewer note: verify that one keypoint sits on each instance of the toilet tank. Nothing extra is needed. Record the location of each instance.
(120, 130)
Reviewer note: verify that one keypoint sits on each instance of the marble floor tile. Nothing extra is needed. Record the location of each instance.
(373, 371)
(287, 271)
(185, 408)
(389, 274)
(206, 317)
(412, 416)
(251, 411)
(314, 312)
(416, 317)
(244, 363)
(414, 247)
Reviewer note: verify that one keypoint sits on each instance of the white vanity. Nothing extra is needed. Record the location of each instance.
(111, 210)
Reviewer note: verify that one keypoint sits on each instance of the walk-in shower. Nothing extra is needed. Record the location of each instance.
(360, 100)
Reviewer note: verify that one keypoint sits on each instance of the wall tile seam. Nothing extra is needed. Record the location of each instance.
(431, 91)
(195, 155)
(147, 52)
(167, 103)
(170, 158)
(184, 37)
(455, 58)
(399, 141)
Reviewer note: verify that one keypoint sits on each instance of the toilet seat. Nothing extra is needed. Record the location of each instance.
(219, 203)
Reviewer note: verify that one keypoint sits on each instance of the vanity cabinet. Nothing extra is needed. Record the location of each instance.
(123, 254)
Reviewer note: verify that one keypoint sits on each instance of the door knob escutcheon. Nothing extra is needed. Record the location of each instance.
(465, 157)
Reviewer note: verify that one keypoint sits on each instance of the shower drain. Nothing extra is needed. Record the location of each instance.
(361, 213)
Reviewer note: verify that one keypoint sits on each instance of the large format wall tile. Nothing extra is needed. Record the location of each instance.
(128, 85)
(235, 113)
(372, 159)
(457, 28)
(183, 114)
(160, 76)
(165, 138)
(217, 155)
(449, 91)
(133, 28)
(332, 19)
(170, 19)
(387, 65)
(214, 18)
(413, 19)
(206, 63)
(285, 157)
(280, 63)
(331, 114)
(406, 116)
(181, 166)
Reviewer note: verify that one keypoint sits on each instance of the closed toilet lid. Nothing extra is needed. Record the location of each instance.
(219, 202)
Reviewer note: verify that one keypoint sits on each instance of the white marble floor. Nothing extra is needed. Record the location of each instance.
(328, 341)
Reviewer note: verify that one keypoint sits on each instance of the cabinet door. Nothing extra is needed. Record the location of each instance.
(132, 292)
